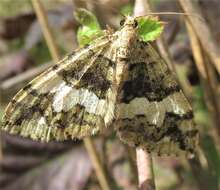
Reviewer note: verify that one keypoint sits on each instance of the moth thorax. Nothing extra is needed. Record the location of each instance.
(126, 40)
(124, 52)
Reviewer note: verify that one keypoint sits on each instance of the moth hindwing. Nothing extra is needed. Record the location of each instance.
(117, 81)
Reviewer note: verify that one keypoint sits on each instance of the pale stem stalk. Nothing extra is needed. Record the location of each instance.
(144, 159)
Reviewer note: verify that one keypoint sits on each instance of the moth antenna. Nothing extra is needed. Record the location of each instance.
(174, 13)
(109, 7)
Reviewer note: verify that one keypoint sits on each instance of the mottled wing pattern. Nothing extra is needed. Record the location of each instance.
(152, 111)
(67, 101)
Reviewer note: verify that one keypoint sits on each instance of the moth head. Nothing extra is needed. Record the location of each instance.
(129, 21)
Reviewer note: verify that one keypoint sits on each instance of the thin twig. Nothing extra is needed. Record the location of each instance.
(206, 38)
(96, 161)
(27, 75)
(196, 50)
(205, 76)
(144, 160)
(42, 18)
(145, 170)
(1, 152)
(93, 154)
(206, 73)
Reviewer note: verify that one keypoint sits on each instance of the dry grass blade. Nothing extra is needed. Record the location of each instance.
(197, 52)
(27, 75)
(203, 32)
(1, 153)
(96, 163)
(42, 18)
(207, 76)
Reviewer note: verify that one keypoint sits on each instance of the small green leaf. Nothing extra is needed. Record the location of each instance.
(90, 28)
(87, 18)
(149, 28)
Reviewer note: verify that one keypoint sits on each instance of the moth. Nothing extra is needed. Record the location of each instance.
(117, 81)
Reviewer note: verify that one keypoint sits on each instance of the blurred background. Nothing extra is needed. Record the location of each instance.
(189, 45)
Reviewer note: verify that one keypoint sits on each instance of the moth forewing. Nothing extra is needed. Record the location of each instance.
(66, 101)
(152, 112)
(119, 81)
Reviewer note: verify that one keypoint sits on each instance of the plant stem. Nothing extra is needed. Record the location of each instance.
(207, 75)
(1, 152)
(145, 170)
(42, 17)
(24, 76)
(201, 28)
(43, 20)
(93, 154)
(144, 160)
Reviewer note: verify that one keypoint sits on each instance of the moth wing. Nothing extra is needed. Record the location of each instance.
(66, 101)
(152, 112)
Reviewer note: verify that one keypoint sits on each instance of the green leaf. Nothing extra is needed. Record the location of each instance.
(87, 18)
(149, 28)
(90, 28)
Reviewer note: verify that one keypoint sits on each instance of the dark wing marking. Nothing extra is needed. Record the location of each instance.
(149, 76)
(153, 113)
(68, 100)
